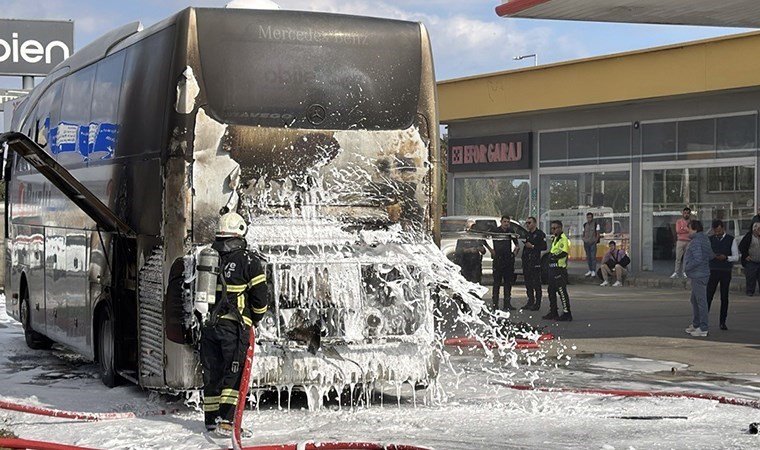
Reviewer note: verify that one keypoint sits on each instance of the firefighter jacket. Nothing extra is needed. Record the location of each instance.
(246, 286)
(559, 251)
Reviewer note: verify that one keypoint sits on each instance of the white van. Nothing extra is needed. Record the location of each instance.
(454, 228)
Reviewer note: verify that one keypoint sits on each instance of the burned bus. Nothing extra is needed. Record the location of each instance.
(319, 129)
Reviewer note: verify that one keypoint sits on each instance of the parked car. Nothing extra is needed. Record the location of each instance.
(454, 228)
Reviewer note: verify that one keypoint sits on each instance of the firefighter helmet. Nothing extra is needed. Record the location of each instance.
(231, 225)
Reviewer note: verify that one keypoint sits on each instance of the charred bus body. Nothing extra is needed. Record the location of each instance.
(320, 129)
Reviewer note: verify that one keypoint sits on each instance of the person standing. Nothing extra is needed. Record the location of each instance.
(558, 254)
(749, 248)
(469, 255)
(755, 219)
(726, 254)
(224, 337)
(535, 243)
(591, 235)
(614, 261)
(696, 264)
(682, 240)
(505, 247)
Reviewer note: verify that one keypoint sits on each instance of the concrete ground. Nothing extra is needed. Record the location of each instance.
(649, 322)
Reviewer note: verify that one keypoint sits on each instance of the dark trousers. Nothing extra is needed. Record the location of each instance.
(558, 287)
(223, 349)
(722, 277)
(472, 269)
(752, 273)
(503, 274)
(532, 277)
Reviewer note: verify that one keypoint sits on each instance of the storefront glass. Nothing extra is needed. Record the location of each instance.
(569, 197)
(492, 196)
(716, 192)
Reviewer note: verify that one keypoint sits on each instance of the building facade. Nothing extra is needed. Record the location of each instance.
(633, 138)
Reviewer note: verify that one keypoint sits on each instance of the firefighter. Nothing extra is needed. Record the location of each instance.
(558, 274)
(224, 339)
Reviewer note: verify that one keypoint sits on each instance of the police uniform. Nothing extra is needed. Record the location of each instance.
(224, 340)
(503, 265)
(560, 249)
(531, 262)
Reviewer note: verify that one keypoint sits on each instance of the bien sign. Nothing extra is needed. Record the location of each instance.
(34, 47)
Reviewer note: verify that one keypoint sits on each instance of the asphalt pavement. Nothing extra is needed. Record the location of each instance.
(649, 323)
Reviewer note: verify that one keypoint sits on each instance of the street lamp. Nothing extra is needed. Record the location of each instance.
(532, 55)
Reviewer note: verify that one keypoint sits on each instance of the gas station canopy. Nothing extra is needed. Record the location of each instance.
(721, 13)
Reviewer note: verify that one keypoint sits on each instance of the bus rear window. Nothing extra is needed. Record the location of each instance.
(324, 71)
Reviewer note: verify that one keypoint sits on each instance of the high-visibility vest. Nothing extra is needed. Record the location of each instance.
(561, 244)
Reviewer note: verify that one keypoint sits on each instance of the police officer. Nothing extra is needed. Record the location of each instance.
(558, 274)
(535, 243)
(503, 254)
(241, 301)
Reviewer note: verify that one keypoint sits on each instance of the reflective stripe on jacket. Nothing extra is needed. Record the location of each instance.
(243, 273)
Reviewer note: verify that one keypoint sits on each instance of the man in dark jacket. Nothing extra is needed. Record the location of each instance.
(535, 243)
(749, 248)
(503, 253)
(240, 303)
(726, 254)
(469, 255)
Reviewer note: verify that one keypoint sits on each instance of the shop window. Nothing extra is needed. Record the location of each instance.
(711, 192)
(696, 139)
(730, 179)
(492, 197)
(583, 146)
(736, 133)
(658, 139)
(569, 196)
(615, 143)
(553, 147)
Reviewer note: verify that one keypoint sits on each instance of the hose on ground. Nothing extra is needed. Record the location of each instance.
(630, 393)
(85, 416)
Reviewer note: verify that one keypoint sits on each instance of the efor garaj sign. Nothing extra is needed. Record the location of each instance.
(503, 152)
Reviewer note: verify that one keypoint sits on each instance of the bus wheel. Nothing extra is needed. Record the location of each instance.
(34, 340)
(107, 350)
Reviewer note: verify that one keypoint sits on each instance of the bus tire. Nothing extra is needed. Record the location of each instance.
(107, 349)
(34, 340)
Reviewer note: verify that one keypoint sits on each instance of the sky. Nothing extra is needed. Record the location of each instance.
(468, 37)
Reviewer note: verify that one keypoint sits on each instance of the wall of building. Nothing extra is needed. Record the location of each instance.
(658, 186)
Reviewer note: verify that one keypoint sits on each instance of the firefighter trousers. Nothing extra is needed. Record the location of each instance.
(223, 349)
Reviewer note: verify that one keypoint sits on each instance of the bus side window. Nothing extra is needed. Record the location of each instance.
(41, 134)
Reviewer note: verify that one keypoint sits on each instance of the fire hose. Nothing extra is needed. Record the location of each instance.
(85, 416)
(243, 392)
(472, 341)
(630, 393)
